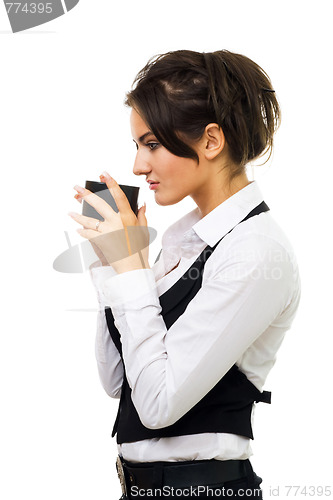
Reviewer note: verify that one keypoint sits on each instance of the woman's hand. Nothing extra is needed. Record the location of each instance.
(122, 239)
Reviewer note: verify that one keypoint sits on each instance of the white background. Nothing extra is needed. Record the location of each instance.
(62, 121)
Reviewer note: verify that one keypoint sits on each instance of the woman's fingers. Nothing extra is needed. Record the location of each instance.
(95, 201)
(86, 222)
(89, 234)
(142, 216)
(119, 196)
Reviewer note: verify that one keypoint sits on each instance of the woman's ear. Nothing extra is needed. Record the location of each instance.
(214, 141)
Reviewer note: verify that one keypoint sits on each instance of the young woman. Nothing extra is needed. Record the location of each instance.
(187, 344)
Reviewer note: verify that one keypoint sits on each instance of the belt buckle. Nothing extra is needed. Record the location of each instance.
(121, 475)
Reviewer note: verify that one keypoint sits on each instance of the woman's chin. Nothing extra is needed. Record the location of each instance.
(164, 201)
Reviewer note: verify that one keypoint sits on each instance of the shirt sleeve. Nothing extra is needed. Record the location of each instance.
(169, 371)
(109, 363)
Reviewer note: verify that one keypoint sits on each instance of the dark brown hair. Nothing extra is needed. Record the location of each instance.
(179, 93)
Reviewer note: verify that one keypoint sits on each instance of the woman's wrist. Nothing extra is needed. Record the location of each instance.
(130, 263)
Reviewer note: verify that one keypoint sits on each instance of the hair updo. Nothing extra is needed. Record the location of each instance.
(179, 93)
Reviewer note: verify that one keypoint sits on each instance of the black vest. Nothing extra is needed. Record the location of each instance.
(226, 407)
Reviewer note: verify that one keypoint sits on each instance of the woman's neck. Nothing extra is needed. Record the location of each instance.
(214, 193)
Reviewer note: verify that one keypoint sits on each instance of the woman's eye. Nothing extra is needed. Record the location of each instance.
(152, 145)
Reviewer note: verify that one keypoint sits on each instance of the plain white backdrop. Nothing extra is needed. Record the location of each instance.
(62, 121)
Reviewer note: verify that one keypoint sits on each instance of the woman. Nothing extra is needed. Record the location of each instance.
(187, 344)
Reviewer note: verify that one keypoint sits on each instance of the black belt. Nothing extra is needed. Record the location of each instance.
(181, 474)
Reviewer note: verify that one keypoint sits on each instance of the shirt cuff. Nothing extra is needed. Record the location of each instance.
(98, 275)
(131, 289)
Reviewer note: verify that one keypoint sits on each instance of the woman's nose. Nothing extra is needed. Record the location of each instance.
(140, 167)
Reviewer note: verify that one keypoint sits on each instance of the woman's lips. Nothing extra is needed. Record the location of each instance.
(153, 185)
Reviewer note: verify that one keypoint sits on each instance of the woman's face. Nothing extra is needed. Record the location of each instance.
(176, 177)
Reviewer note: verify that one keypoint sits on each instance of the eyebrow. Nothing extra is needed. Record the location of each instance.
(143, 137)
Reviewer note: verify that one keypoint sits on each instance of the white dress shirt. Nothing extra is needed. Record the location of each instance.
(248, 299)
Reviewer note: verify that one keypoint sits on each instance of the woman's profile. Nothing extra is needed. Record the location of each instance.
(187, 344)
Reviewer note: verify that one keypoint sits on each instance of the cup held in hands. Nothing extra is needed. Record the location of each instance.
(101, 190)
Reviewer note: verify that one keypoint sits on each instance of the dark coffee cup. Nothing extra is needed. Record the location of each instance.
(101, 190)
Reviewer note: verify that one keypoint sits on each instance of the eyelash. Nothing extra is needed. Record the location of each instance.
(152, 145)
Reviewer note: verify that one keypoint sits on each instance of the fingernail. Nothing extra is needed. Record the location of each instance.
(79, 189)
(143, 207)
(73, 214)
(78, 198)
(105, 175)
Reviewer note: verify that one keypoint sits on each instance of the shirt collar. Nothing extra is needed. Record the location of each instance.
(228, 214)
(216, 223)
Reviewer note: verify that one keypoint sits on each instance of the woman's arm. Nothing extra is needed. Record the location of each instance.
(109, 363)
